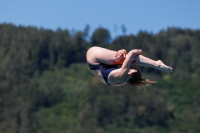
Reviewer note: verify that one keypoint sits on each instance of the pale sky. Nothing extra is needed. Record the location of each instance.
(149, 15)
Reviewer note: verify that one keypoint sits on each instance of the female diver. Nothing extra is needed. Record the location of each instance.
(104, 64)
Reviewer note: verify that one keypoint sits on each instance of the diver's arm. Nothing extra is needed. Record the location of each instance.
(122, 73)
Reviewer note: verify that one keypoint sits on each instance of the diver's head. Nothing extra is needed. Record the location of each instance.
(135, 79)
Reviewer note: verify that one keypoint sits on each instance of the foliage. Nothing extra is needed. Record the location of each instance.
(46, 86)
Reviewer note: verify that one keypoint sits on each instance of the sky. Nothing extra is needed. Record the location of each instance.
(134, 15)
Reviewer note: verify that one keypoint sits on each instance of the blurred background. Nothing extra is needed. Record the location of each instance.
(47, 87)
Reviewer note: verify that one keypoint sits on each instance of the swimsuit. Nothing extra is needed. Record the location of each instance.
(104, 69)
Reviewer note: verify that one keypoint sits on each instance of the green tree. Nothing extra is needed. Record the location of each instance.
(100, 37)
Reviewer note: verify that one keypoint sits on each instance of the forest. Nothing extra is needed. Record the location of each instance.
(47, 87)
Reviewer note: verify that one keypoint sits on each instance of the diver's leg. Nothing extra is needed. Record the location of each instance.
(144, 61)
(96, 55)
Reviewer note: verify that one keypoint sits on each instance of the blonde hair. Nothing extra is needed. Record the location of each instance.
(137, 80)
